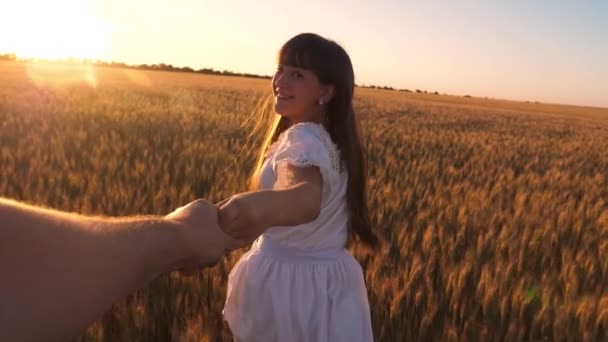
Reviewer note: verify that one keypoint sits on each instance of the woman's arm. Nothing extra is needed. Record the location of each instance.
(61, 271)
(295, 199)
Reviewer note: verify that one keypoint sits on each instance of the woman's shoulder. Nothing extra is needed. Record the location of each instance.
(314, 140)
(305, 132)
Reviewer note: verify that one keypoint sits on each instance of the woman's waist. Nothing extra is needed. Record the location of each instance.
(311, 235)
(277, 249)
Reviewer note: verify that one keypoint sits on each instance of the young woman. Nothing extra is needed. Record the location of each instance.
(299, 282)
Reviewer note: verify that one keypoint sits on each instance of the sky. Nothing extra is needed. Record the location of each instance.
(549, 51)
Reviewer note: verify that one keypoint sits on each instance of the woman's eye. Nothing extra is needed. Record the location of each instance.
(297, 74)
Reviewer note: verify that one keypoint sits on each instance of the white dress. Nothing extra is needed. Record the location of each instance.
(299, 283)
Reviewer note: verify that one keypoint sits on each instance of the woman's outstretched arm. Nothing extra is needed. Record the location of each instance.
(295, 199)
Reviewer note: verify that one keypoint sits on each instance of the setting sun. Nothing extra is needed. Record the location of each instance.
(53, 30)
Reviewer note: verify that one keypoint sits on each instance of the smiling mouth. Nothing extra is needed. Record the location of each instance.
(283, 97)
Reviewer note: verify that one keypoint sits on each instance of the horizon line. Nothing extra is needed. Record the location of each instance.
(11, 56)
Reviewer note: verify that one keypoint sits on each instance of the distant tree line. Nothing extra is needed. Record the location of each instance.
(8, 57)
(158, 67)
(169, 67)
(208, 71)
(403, 90)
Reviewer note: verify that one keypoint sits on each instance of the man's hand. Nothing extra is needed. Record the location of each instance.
(203, 240)
(240, 218)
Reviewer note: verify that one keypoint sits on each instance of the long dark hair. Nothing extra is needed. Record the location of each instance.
(332, 65)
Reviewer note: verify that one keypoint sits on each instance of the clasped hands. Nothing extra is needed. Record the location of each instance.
(209, 231)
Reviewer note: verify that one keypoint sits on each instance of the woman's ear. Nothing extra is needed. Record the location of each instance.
(273, 85)
(328, 93)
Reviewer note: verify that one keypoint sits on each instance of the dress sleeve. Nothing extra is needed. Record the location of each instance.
(302, 146)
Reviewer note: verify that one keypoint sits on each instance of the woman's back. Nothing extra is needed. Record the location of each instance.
(307, 144)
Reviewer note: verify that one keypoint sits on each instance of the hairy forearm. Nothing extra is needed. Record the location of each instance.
(61, 271)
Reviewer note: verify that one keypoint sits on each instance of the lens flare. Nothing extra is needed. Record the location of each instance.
(138, 77)
(55, 30)
(44, 73)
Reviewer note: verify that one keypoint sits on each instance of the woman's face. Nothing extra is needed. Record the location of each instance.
(299, 96)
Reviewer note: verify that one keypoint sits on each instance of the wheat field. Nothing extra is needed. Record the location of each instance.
(494, 213)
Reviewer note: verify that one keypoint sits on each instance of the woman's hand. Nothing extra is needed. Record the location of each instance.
(241, 218)
(203, 243)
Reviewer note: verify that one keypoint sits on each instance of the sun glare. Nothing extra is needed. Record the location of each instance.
(53, 29)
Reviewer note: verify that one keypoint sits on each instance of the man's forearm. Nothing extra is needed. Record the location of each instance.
(56, 265)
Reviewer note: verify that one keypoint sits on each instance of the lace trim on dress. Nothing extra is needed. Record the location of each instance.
(308, 158)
